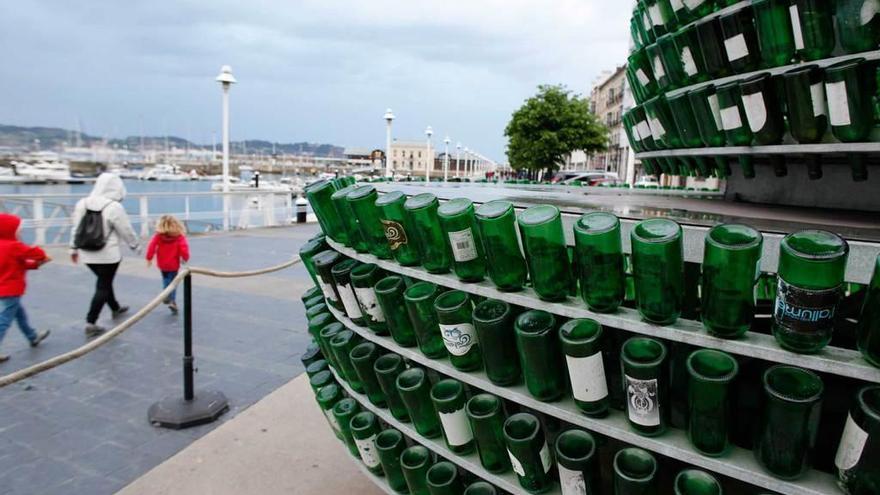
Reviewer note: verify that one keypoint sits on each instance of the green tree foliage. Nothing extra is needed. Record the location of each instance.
(549, 126)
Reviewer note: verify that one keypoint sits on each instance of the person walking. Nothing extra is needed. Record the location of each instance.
(99, 224)
(16, 258)
(169, 247)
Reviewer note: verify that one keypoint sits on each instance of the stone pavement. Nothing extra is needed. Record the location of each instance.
(82, 427)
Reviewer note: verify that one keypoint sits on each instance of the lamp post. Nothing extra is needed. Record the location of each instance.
(458, 159)
(429, 132)
(389, 117)
(446, 160)
(226, 80)
(467, 154)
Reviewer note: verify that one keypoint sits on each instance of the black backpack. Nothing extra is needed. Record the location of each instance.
(90, 232)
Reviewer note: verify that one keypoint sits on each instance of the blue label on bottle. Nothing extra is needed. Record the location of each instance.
(804, 310)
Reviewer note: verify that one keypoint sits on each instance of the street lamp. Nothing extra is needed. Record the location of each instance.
(226, 80)
(446, 160)
(458, 159)
(388, 118)
(467, 154)
(429, 132)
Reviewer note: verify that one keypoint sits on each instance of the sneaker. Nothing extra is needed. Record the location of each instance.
(173, 307)
(119, 312)
(4, 358)
(166, 301)
(93, 330)
(41, 336)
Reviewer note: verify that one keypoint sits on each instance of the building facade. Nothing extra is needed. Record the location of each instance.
(411, 157)
(608, 100)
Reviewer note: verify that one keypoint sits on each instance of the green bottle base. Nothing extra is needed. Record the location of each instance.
(725, 333)
(660, 319)
(597, 409)
(465, 449)
(799, 342)
(645, 431)
(437, 271)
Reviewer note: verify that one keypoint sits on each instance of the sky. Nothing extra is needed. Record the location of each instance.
(308, 70)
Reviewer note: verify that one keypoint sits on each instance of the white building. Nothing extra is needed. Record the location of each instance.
(411, 157)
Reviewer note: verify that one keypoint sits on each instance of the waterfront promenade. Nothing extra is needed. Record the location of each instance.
(82, 427)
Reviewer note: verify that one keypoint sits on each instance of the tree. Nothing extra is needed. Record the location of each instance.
(549, 126)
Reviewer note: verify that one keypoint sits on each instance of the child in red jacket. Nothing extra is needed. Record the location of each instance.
(16, 258)
(169, 247)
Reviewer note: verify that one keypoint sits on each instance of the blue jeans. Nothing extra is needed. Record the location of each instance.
(167, 277)
(11, 309)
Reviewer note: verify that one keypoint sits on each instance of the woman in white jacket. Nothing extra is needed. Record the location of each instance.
(105, 197)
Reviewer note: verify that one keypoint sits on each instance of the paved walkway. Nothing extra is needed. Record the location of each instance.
(82, 427)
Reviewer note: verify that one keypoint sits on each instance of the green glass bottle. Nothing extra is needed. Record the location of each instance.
(420, 299)
(454, 310)
(459, 226)
(307, 251)
(855, 462)
(687, 44)
(415, 390)
(775, 38)
(812, 264)
(350, 223)
(344, 410)
(671, 61)
(539, 350)
(390, 295)
(449, 400)
(849, 89)
(645, 376)
(390, 444)
(583, 342)
(731, 268)
(740, 40)
(647, 24)
(430, 239)
(635, 472)
(699, 8)
(480, 488)
(364, 277)
(341, 345)
(415, 462)
(326, 334)
(312, 293)
(696, 482)
(496, 223)
(710, 375)
(493, 322)
(387, 367)
(324, 263)
(869, 320)
(315, 311)
(577, 462)
(443, 479)
(658, 269)
(688, 129)
(764, 112)
(735, 123)
(342, 278)
(599, 254)
(319, 195)
(546, 255)
(858, 25)
(486, 417)
(327, 397)
(316, 367)
(807, 110)
(707, 113)
(662, 124)
(714, 51)
(364, 429)
(321, 380)
(363, 356)
(319, 299)
(528, 451)
(640, 66)
(362, 202)
(312, 355)
(399, 232)
(789, 422)
(813, 28)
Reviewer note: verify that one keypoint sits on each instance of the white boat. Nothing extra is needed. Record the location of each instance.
(166, 172)
(266, 186)
(44, 171)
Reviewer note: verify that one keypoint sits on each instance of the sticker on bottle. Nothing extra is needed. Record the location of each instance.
(459, 338)
(366, 296)
(641, 401)
(544, 454)
(328, 291)
(349, 301)
(796, 27)
(587, 377)
(367, 449)
(736, 48)
(852, 443)
(870, 9)
(572, 482)
(644, 130)
(517, 466)
(817, 96)
(395, 233)
(642, 77)
(659, 71)
(803, 310)
(838, 103)
(693, 4)
(334, 423)
(676, 5)
(656, 16)
(463, 246)
(687, 60)
(657, 130)
(730, 118)
(456, 427)
(646, 21)
(716, 111)
(756, 111)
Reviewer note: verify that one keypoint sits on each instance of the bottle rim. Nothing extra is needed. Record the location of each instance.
(313, 321)
(390, 198)
(580, 227)
(362, 422)
(345, 406)
(804, 69)
(480, 487)
(420, 202)
(320, 378)
(447, 390)
(331, 329)
(326, 258)
(543, 215)
(580, 331)
(869, 401)
(483, 406)
(697, 370)
(788, 248)
(344, 267)
(522, 427)
(362, 351)
(544, 322)
(575, 446)
(451, 301)
(757, 237)
(492, 210)
(360, 192)
(658, 352)
(644, 224)
(844, 65)
(415, 457)
(441, 474)
(342, 338)
(705, 479)
(625, 470)
(487, 306)
(420, 291)
(411, 379)
(388, 440)
(364, 270)
(387, 363)
(816, 387)
(454, 207)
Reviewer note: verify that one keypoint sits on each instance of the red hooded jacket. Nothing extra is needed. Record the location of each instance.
(168, 250)
(16, 257)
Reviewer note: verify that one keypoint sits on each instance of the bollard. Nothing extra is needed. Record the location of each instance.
(301, 209)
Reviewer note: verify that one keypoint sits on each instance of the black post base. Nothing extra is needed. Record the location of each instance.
(177, 413)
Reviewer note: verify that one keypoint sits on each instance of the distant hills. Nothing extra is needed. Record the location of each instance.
(50, 138)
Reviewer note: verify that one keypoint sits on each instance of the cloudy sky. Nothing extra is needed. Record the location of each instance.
(315, 70)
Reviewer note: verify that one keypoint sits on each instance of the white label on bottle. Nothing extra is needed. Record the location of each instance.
(544, 454)
(817, 95)
(657, 129)
(838, 103)
(756, 111)
(571, 482)
(459, 338)
(456, 427)
(730, 118)
(646, 21)
(517, 466)
(587, 377)
(692, 4)
(796, 27)
(687, 59)
(736, 48)
(641, 401)
(659, 71)
(644, 130)
(656, 16)
(676, 5)
(367, 449)
(328, 291)
(332, 420)
(869, 10)
(463, 246)
(851, 445)
(642, 77)
(369, 303)
(349, 301)
(716, 111)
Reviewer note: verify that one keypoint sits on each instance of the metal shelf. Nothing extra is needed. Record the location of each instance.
(739, 464)
(470, 462)
(831, 360)
(779, 149)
